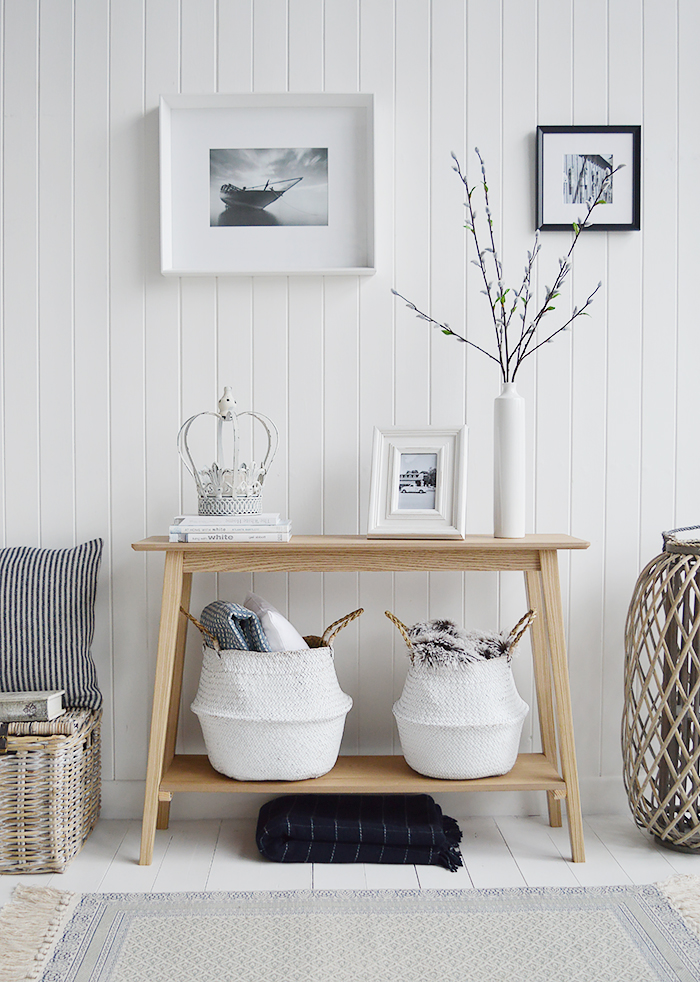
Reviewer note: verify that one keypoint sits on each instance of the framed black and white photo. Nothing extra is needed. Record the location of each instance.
(573, 163)
(266, 184)
(418, 483)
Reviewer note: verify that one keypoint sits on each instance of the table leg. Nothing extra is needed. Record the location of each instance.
(170, 620)
(175, 694)
(543, 685)
(560, 673)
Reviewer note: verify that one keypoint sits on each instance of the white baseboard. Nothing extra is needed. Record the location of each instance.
(599, 796)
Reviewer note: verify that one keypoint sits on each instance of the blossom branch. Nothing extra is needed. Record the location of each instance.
(445, 328)
(509, 356)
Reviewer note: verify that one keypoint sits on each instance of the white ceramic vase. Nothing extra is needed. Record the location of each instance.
(509, 464)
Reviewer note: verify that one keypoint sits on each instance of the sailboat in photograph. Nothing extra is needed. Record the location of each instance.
(259, 196)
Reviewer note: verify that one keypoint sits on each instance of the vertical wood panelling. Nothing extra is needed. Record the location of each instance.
(447, 251)
(341, 298)
(483, 102)
(20, 275)
(55, 287)
(199, 340)
(3, 514)
(688, 223)
(161, 308)
(412, 258)
(131, 672)
(103, 358)
(588, 416)
(659, 329)
(519, 119)
(623, 421)
(412, 204)
(376, 360)
(306, 45)
(270, 46)
(235, 45)
(552, 363)
(235, 294)
(90, 276)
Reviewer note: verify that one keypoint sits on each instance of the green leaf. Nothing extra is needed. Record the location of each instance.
(446, 330)
(549, 308)
(576, 228)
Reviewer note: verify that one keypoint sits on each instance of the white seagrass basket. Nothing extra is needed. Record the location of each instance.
(461, 721)
(272, 715)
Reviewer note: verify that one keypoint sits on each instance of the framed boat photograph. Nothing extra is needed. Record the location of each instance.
(578, 163)
(418, 483)
(265, 184)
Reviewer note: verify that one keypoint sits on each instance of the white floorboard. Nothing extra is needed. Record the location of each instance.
(538, 858)
(600, 868)
(633, 849)
(339, 876)
(486, 855)
(497, 853)
(189, 856)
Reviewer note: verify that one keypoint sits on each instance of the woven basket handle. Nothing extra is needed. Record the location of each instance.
(214, 641)
(403, 630)
(337, 626)
(518, 631)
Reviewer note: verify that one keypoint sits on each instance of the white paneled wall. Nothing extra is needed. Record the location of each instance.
(102, 357)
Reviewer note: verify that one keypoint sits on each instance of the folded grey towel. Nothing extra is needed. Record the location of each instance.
(234, 627)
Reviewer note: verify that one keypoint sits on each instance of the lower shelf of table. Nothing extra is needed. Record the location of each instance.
(364, 775)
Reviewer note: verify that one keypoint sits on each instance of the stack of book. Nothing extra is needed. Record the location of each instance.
(28, 707)
(230, 528)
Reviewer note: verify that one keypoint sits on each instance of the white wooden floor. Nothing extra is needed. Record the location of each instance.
(500, 852)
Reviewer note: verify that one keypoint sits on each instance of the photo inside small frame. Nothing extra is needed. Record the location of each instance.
(417, 481)
(584, 176)
(268, 186)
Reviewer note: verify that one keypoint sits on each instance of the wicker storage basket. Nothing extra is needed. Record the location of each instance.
(49, 791)
(273, 715)
(461, 721)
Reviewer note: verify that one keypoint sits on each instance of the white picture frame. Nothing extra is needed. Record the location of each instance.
(241, 138)
(404, 503)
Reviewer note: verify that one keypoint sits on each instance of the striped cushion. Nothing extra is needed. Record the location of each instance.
(47, 620)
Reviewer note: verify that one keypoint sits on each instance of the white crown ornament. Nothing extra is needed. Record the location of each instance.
(236, 489)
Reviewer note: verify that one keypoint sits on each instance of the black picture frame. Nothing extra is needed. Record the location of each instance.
(601, 146)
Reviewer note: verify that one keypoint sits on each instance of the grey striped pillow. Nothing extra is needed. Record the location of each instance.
(47, 620)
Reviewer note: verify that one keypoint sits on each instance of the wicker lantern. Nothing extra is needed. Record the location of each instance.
(661, 721)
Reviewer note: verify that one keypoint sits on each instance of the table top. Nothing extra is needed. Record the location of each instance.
(355, 553)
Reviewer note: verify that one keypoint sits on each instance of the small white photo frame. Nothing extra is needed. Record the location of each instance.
(418, 483)
(267, 184)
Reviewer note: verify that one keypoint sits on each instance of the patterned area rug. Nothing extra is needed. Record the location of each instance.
(621, 934)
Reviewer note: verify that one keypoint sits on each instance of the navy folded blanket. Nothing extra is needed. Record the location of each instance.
(362, 828)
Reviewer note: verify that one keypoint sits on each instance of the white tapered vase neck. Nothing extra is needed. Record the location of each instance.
(509, 463)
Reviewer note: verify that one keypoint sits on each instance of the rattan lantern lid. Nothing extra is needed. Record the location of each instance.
(684, 540)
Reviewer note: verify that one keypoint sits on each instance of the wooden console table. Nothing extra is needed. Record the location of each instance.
(553, 770)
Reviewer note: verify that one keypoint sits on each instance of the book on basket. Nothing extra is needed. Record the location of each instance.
(26, 707)
(275, 532)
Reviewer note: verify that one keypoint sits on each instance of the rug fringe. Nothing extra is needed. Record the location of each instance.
(683, 893)
(29, 924)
